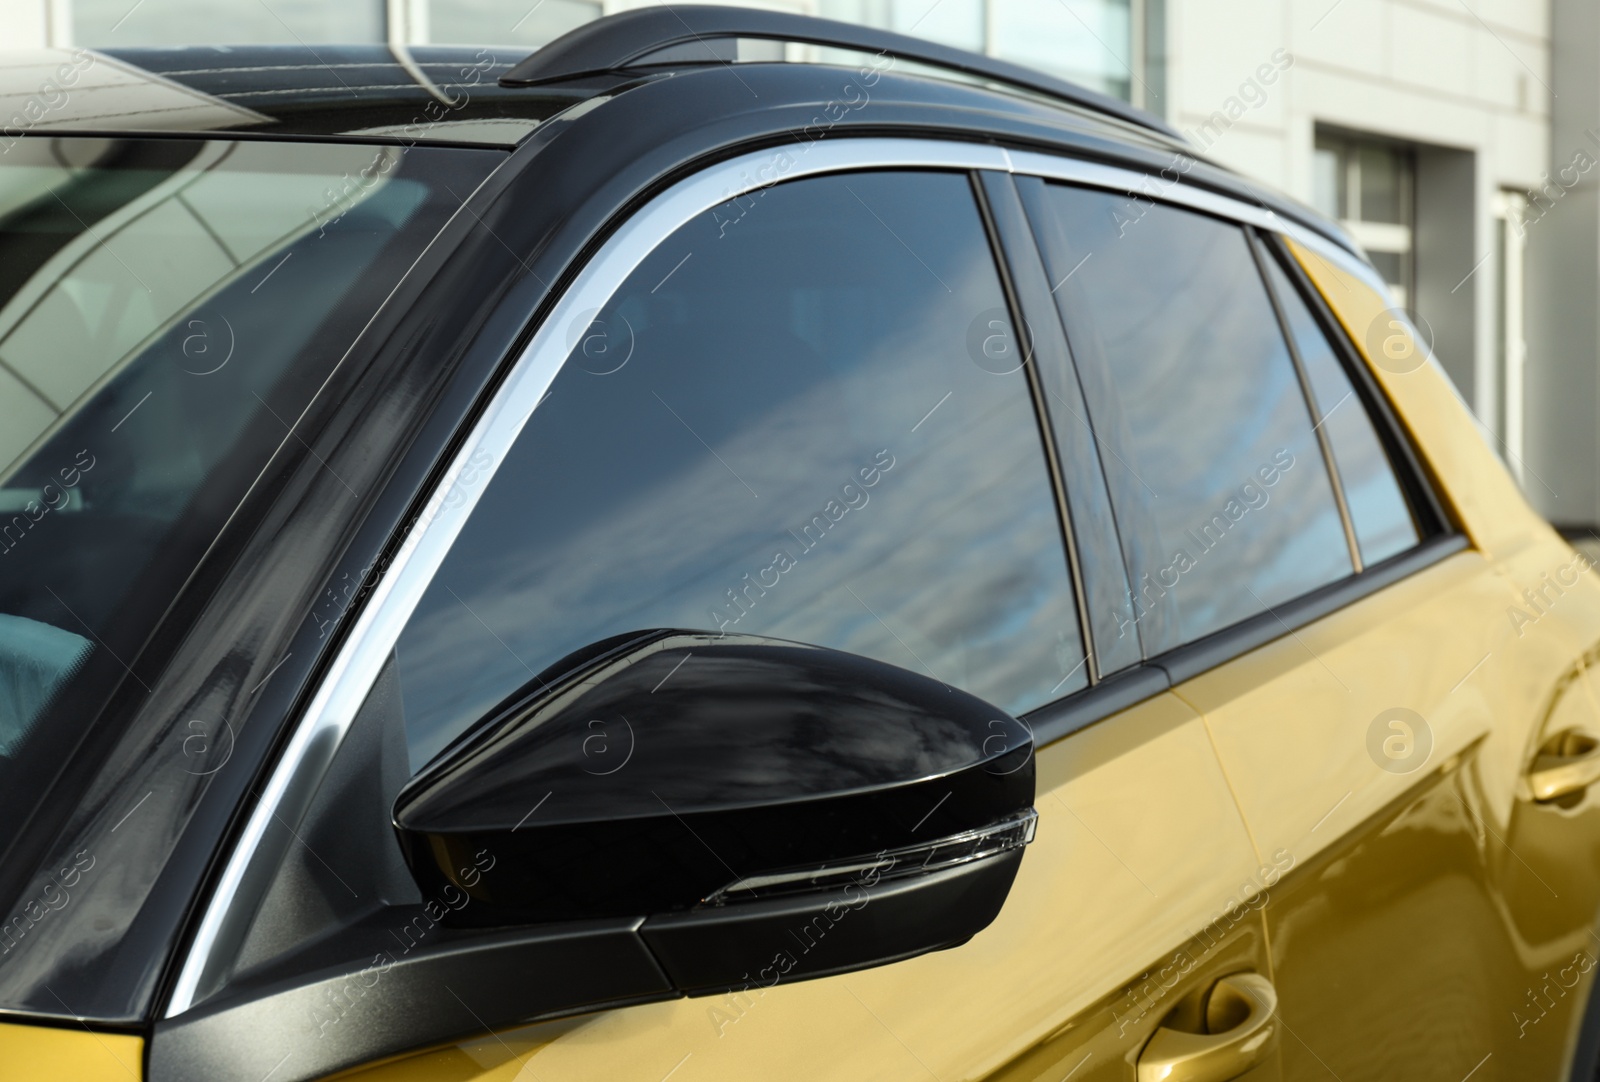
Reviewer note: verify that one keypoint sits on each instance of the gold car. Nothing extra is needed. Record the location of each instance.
(648, 562)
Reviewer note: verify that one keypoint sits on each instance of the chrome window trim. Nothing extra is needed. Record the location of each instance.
(377, 627)
(1167, 186)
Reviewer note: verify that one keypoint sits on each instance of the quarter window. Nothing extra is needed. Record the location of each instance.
(789, 421)
(1378, 510)
(1220, 488)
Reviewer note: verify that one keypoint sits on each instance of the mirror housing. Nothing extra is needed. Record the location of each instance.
(726, 790)
(662, 814)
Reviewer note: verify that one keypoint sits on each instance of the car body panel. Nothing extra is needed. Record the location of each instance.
(1386, 824)
(1393, 774)
(51, 1053)
(1549, 613)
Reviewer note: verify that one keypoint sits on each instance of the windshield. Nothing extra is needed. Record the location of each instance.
(168, 308)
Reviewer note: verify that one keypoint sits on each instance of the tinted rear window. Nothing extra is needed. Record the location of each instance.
(1221, 492)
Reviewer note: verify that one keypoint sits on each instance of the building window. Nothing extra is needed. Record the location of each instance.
(1369, 187)
(959, 23)
(1089, 42)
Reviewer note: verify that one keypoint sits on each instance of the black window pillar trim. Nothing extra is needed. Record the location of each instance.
(990, 188)
(1313, 407)
(1051, 250)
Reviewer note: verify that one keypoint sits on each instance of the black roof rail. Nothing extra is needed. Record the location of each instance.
(619, 41)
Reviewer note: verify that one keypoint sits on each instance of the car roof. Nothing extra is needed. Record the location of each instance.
(459, 93)
(490, 94)
(452, 94)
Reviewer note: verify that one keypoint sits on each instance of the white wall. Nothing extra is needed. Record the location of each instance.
(1563, 236)
(1470, 76)
(24, 24)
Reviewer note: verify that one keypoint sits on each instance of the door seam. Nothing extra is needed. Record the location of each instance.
(1238, 807)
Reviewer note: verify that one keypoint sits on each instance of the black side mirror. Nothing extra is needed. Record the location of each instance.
(767, 810)
(661, 814)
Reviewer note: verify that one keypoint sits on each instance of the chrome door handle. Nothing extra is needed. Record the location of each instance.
(1241, 1033)
(1567, 764)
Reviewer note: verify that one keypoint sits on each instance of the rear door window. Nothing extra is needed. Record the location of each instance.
(1220, 488)
(784, 423)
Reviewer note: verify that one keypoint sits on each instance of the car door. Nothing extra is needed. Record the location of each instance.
(833, 378)
(1309, 602)
(1528, 807)
(816, 423)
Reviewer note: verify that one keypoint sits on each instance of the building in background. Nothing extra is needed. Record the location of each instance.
(1457, 140)
(1088, 41)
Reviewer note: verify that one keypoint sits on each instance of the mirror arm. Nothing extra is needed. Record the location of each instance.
(386, 1002)
(467, 982)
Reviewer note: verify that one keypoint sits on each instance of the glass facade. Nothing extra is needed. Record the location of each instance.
(1091, 42)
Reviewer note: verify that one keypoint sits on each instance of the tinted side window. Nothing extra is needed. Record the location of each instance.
(776, 427)
(1219, 484)
(1382, 519)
